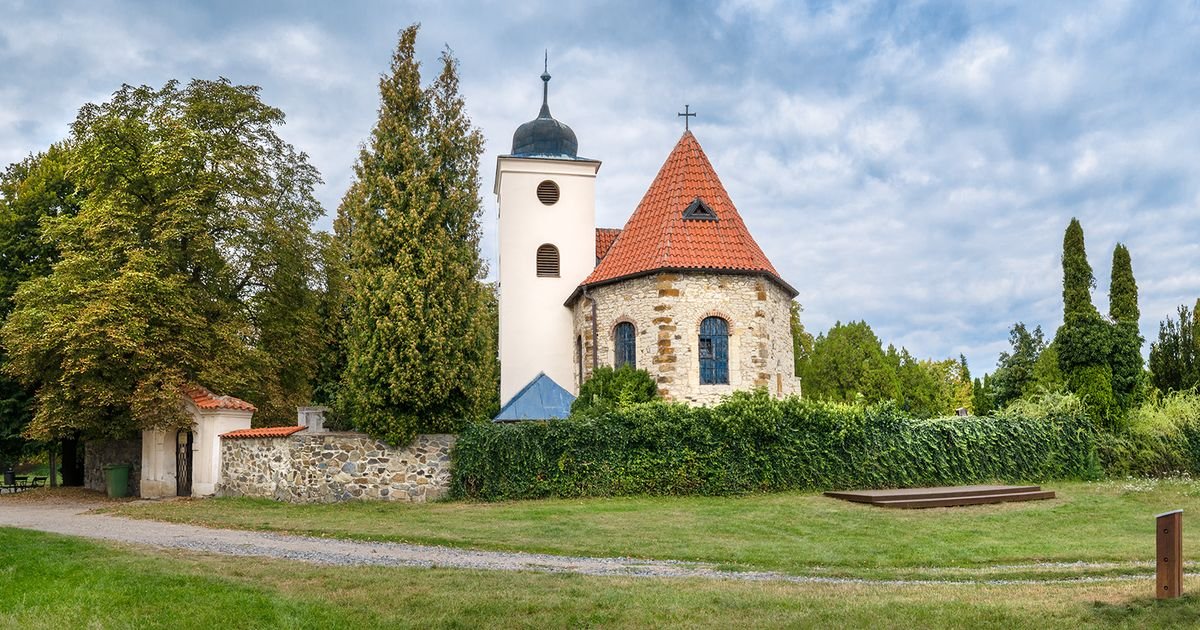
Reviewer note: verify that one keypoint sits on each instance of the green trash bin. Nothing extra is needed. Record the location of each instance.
(116, 480)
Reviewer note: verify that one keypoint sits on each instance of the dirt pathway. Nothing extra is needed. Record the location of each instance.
(72, 518)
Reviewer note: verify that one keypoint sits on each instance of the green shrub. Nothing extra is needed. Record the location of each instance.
(1162, 437)
(608, 389)
(751, 442)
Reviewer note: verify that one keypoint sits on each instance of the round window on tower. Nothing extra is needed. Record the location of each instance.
(547, 192)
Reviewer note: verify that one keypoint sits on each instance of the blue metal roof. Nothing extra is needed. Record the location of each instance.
(541, 399)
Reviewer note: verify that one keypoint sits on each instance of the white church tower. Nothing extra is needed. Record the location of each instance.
(547, 199)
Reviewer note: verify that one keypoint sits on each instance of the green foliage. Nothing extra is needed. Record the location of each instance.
(1047, 375)
(1014, 375)
(36, 188)
(420, 351)
(1126, 357)
(1162, 438)
(1093, 385)
(846, 364)
(983, 399)
(187, 260)
(751, 442)
(1085, 340)
(802, 340)
(609, 389)
(1122, 290)
(1173, 357)
(927, 388)
(1078, 280)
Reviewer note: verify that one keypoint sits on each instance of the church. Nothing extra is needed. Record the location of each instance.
(682, 290)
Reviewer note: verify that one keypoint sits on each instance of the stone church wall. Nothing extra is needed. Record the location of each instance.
(328, 467)
(666, 310)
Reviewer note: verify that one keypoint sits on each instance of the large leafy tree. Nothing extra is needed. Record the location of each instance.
(1014, 377)
(416, 332)
(188, 260)
(38, 187)
(847, 363)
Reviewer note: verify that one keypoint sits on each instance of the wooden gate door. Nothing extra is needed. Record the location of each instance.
(183, 463)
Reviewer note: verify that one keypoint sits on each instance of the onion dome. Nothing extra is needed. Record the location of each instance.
(544, 136)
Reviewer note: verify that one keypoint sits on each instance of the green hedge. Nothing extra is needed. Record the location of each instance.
(754, 443)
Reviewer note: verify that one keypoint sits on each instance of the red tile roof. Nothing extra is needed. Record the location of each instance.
(205, 399)
(657, 237)
(265, 432)
(604, 240)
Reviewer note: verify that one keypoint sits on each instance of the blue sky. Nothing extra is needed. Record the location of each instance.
(911, 164)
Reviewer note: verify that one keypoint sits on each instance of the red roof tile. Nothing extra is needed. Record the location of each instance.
(265, 432)
(657, 236)
(205, 399)
(604, 240)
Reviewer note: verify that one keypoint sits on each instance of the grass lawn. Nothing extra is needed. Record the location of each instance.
(49, 581)
(1106, 522)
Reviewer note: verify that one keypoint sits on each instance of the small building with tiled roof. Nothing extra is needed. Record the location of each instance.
(682, 290)
(187, 461)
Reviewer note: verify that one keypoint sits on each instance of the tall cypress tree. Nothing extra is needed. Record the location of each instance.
(415, 336)
(1084, 340)
(1126, 357)
(1122, 291)
(1078, 280)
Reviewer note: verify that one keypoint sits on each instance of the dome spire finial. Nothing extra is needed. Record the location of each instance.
(545, 113)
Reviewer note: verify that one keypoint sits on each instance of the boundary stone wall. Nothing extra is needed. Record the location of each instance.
(328, 467)
(99, 453)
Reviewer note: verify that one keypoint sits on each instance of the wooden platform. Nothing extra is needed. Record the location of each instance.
(943, 497)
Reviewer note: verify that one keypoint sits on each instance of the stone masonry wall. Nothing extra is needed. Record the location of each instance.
(99, 453)
(666, 310)
(329, 467)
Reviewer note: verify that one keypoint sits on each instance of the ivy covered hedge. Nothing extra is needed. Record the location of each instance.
(751, 442)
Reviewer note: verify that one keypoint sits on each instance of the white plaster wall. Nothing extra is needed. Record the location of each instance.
(535, 327)
(158, 464)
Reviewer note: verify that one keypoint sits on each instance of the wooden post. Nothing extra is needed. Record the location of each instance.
(1169, 563)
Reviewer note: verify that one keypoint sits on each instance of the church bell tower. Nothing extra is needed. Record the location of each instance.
(546, 194)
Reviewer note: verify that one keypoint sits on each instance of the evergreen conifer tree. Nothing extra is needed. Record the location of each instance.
(416, 342)
(1084, 340)
(1126, 357)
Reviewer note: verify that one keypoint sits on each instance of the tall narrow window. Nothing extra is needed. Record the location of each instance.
(579, 357)
(625, 345)
(714, 351)
(547, 261)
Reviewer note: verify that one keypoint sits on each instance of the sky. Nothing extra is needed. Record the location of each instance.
(913, 165)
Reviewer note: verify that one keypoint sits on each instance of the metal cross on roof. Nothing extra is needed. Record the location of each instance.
(686, 114)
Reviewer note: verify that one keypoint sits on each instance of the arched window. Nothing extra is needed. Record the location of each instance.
(714, 351)
(547, 261)
(624, 345)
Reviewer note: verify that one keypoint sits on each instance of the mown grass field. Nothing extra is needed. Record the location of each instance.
(49, 581)
(804, 534)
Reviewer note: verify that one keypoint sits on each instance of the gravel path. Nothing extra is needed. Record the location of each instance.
(73, 519)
